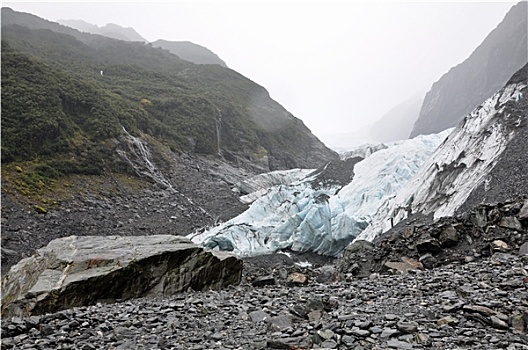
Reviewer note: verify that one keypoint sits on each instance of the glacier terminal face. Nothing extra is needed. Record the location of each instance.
(457, 167)
(323, 219)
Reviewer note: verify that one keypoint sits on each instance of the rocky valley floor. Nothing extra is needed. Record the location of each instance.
(477, 305)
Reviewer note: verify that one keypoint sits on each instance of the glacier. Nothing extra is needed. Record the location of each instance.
(304, 215)
(457, 167)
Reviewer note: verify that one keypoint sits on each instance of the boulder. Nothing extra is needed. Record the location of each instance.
(296, 279)
(511, 222)
(406, 265)
(523, 213)
(427, 244)
(448, 237)
(78, 271)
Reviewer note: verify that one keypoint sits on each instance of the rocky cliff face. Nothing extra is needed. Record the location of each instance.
(78, 271)
(467, 85)
(483, 159)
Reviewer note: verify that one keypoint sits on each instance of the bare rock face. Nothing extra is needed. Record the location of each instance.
(77, 271)
(470, 83)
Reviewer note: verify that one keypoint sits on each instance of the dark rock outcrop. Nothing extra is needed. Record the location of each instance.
(488, 68)
(77, 271)
(509, 178)
(420, 243)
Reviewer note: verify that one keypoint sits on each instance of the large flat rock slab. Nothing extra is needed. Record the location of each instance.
(77, 271)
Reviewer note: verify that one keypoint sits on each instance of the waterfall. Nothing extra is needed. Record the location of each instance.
(137, 154)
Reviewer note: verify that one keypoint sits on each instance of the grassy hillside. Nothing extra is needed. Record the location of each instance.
(58, 108)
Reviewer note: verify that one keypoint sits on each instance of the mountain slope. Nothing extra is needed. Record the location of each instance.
(190, 52)
(397, 123)
(483, 160)
(110, 30)
(488, 68)
(394, 125)
(101, 85)
(107, 137)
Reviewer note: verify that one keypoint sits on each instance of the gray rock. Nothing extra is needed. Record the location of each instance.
(76, 271)
(428, 245)
(389, 332)
(328, 274)
(326, 334)
(258, 316)
(523, 249)
(329, 344)
(280, 323)
(498, 323)
(448, 320)
(362, 333)
(288, 343)
(428, 261)
(523, 213)
(398, 344)
(511, 222)
(407, 326)
(486, 311)
(448, 237)
(518, 323)
(263, 281)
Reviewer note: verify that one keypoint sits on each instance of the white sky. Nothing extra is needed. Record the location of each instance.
(335, 65)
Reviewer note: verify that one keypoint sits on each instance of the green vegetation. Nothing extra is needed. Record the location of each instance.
(66, 100)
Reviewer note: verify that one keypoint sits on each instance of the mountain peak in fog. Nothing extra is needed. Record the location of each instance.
(110, 30)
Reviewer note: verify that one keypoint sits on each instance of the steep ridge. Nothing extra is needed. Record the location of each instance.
(485, 71)
(204, 109)
(9, 16)
(189, 51)
(483, 159)
(110, 30)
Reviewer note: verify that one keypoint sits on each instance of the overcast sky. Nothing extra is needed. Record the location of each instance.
(335, 65)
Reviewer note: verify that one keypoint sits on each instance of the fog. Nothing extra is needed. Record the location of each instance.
(336, 65)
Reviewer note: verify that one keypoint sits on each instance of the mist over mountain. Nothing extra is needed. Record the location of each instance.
(489, 67)
(189, 51)
(394, 125)
(207, 109)
(109, 30)
(186, 50)
(397, 123)
(111, 149)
